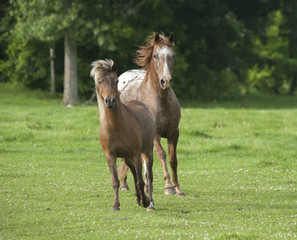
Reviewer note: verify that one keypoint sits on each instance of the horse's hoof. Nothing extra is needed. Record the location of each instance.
(180, 194)
(124, 188)
(169, 191)
(150, 209)
(145, 203)
(138, 201)
(115, 209)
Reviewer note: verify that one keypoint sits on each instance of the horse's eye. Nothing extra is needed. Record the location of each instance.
(156, 56)
(173, 56)
(99, 82)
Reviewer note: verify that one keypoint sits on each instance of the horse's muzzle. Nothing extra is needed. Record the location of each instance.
(110, 102)
(166, 83)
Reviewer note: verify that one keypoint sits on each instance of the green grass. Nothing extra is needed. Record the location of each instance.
(237, 165)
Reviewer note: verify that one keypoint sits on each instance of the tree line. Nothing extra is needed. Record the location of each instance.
(223, 47)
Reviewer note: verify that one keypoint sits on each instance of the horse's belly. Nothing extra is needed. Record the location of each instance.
(123, 153)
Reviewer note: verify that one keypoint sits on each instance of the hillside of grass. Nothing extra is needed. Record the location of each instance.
(237, 166)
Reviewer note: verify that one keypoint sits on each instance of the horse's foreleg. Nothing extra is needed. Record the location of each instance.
(172, 143)
(169, 188)
(111, 161)
(123, 170)
(148, 162)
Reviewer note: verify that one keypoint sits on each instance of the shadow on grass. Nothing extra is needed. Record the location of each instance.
(197, 133)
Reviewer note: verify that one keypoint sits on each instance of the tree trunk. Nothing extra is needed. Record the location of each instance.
(53, 76)
(293, 85)
(70, 71)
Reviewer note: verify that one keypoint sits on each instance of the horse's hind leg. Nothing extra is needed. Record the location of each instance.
(139, 183)
(130, 164)
(111, 161)
(143, 200)
(123, 170)
(172, 143)
(145, 174)
(169, 188)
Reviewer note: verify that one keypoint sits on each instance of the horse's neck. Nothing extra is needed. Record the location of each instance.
(151, 84)
(153, 95)
(111, 117)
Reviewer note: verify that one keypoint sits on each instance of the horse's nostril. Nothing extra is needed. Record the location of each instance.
(162, 82)
(110, 102)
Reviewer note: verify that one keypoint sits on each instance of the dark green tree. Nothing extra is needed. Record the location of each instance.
(45, 23)
(288, 30)
(223, 46)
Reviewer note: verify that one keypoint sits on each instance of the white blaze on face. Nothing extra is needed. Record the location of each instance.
(165, 61)
(164, 53)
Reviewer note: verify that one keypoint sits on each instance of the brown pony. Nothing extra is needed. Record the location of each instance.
(126, 131)
(152, 86)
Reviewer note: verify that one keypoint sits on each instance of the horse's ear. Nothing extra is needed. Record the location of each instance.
(171, 37)
(157, 38)
(114, 67)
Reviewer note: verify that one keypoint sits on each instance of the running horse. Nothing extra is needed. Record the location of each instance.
(126, 131)
(152, 86)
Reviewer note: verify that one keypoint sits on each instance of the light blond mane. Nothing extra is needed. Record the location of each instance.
(101, 68)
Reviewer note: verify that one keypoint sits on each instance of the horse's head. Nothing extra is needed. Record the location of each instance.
(163, 57)
(106, 81)
(158, 56)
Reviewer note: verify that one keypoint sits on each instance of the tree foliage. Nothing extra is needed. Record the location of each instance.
(223, 47)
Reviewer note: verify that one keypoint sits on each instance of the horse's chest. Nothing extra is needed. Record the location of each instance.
(121, 144)
(166, 123)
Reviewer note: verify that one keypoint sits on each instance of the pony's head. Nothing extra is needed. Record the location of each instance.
(158, 55)
(106, 81)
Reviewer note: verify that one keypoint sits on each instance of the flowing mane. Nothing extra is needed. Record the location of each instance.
(101, 68)
(145, 53)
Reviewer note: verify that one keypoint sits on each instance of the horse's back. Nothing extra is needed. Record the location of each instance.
(141, 109)
(129, 84)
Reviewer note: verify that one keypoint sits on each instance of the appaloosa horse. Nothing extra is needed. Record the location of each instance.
(126, 131)
(152, 86)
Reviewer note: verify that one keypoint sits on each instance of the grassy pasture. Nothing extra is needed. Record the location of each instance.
(237, 165)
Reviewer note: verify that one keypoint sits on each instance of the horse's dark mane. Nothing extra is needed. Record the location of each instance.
(145, 53)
